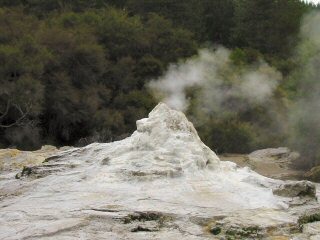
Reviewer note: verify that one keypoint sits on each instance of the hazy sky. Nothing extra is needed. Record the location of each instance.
(314, 1)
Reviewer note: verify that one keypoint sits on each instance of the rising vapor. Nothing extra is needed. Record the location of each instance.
(224, 87)
(219, 80)
(305, 112)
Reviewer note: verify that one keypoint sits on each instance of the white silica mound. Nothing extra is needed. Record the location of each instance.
(162, 182)
(164, 144)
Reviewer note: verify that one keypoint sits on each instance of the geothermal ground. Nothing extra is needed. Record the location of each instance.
(160, 183)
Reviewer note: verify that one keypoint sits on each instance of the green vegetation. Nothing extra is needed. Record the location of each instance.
(237, 232)
(315, 217)
(75, 71)
(215, 230)
(251, 232)
(80, 76)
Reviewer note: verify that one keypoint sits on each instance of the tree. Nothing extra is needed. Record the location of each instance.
(22, 62)
(271, 26)
(218, 21)
(186, 14)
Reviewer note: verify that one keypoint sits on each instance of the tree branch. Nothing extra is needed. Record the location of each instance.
(6, 111)
(19, 120)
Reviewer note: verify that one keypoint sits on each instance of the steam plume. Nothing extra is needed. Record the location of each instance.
(305, 112)
(226, 87)
(220, 81)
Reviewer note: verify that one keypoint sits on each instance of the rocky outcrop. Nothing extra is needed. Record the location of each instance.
(296, 189)
(160, 183)
(313, 174)
(275, 163)
(281, 154)
(12, 159)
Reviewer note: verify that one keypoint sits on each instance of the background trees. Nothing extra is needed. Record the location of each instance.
(22, 63)
(73, 72)
(80, 76)
(268, 26)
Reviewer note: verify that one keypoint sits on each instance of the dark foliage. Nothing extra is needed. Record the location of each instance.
(74, 71)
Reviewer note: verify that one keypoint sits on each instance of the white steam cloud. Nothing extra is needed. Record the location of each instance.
(305, 112)
(221, 82)
(222, 87)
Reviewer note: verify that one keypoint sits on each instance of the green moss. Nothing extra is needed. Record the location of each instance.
(146, 216)
(215, 230)
(243, 233)
(309, 218)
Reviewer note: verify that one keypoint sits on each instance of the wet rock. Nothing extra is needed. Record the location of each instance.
(13, 159)
(146, 227)
(41, 171)
(312, 228)
(296, 189)
(105, 161)
(145, 216)
(313, 174)
(275, 163)
(274, 154)
(215, 230)
(251, 232)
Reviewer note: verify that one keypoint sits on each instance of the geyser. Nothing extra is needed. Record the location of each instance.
(162, 182)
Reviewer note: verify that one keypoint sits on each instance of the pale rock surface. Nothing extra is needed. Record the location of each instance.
(11, 159)
(275, 163)
(280, 154)
(160, 183)
(313, 174)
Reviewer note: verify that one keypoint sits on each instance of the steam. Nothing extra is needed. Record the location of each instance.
(220, 81)
(220, 85)
(305, 112)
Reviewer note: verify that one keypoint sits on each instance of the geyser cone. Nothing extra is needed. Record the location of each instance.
(167, 140)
